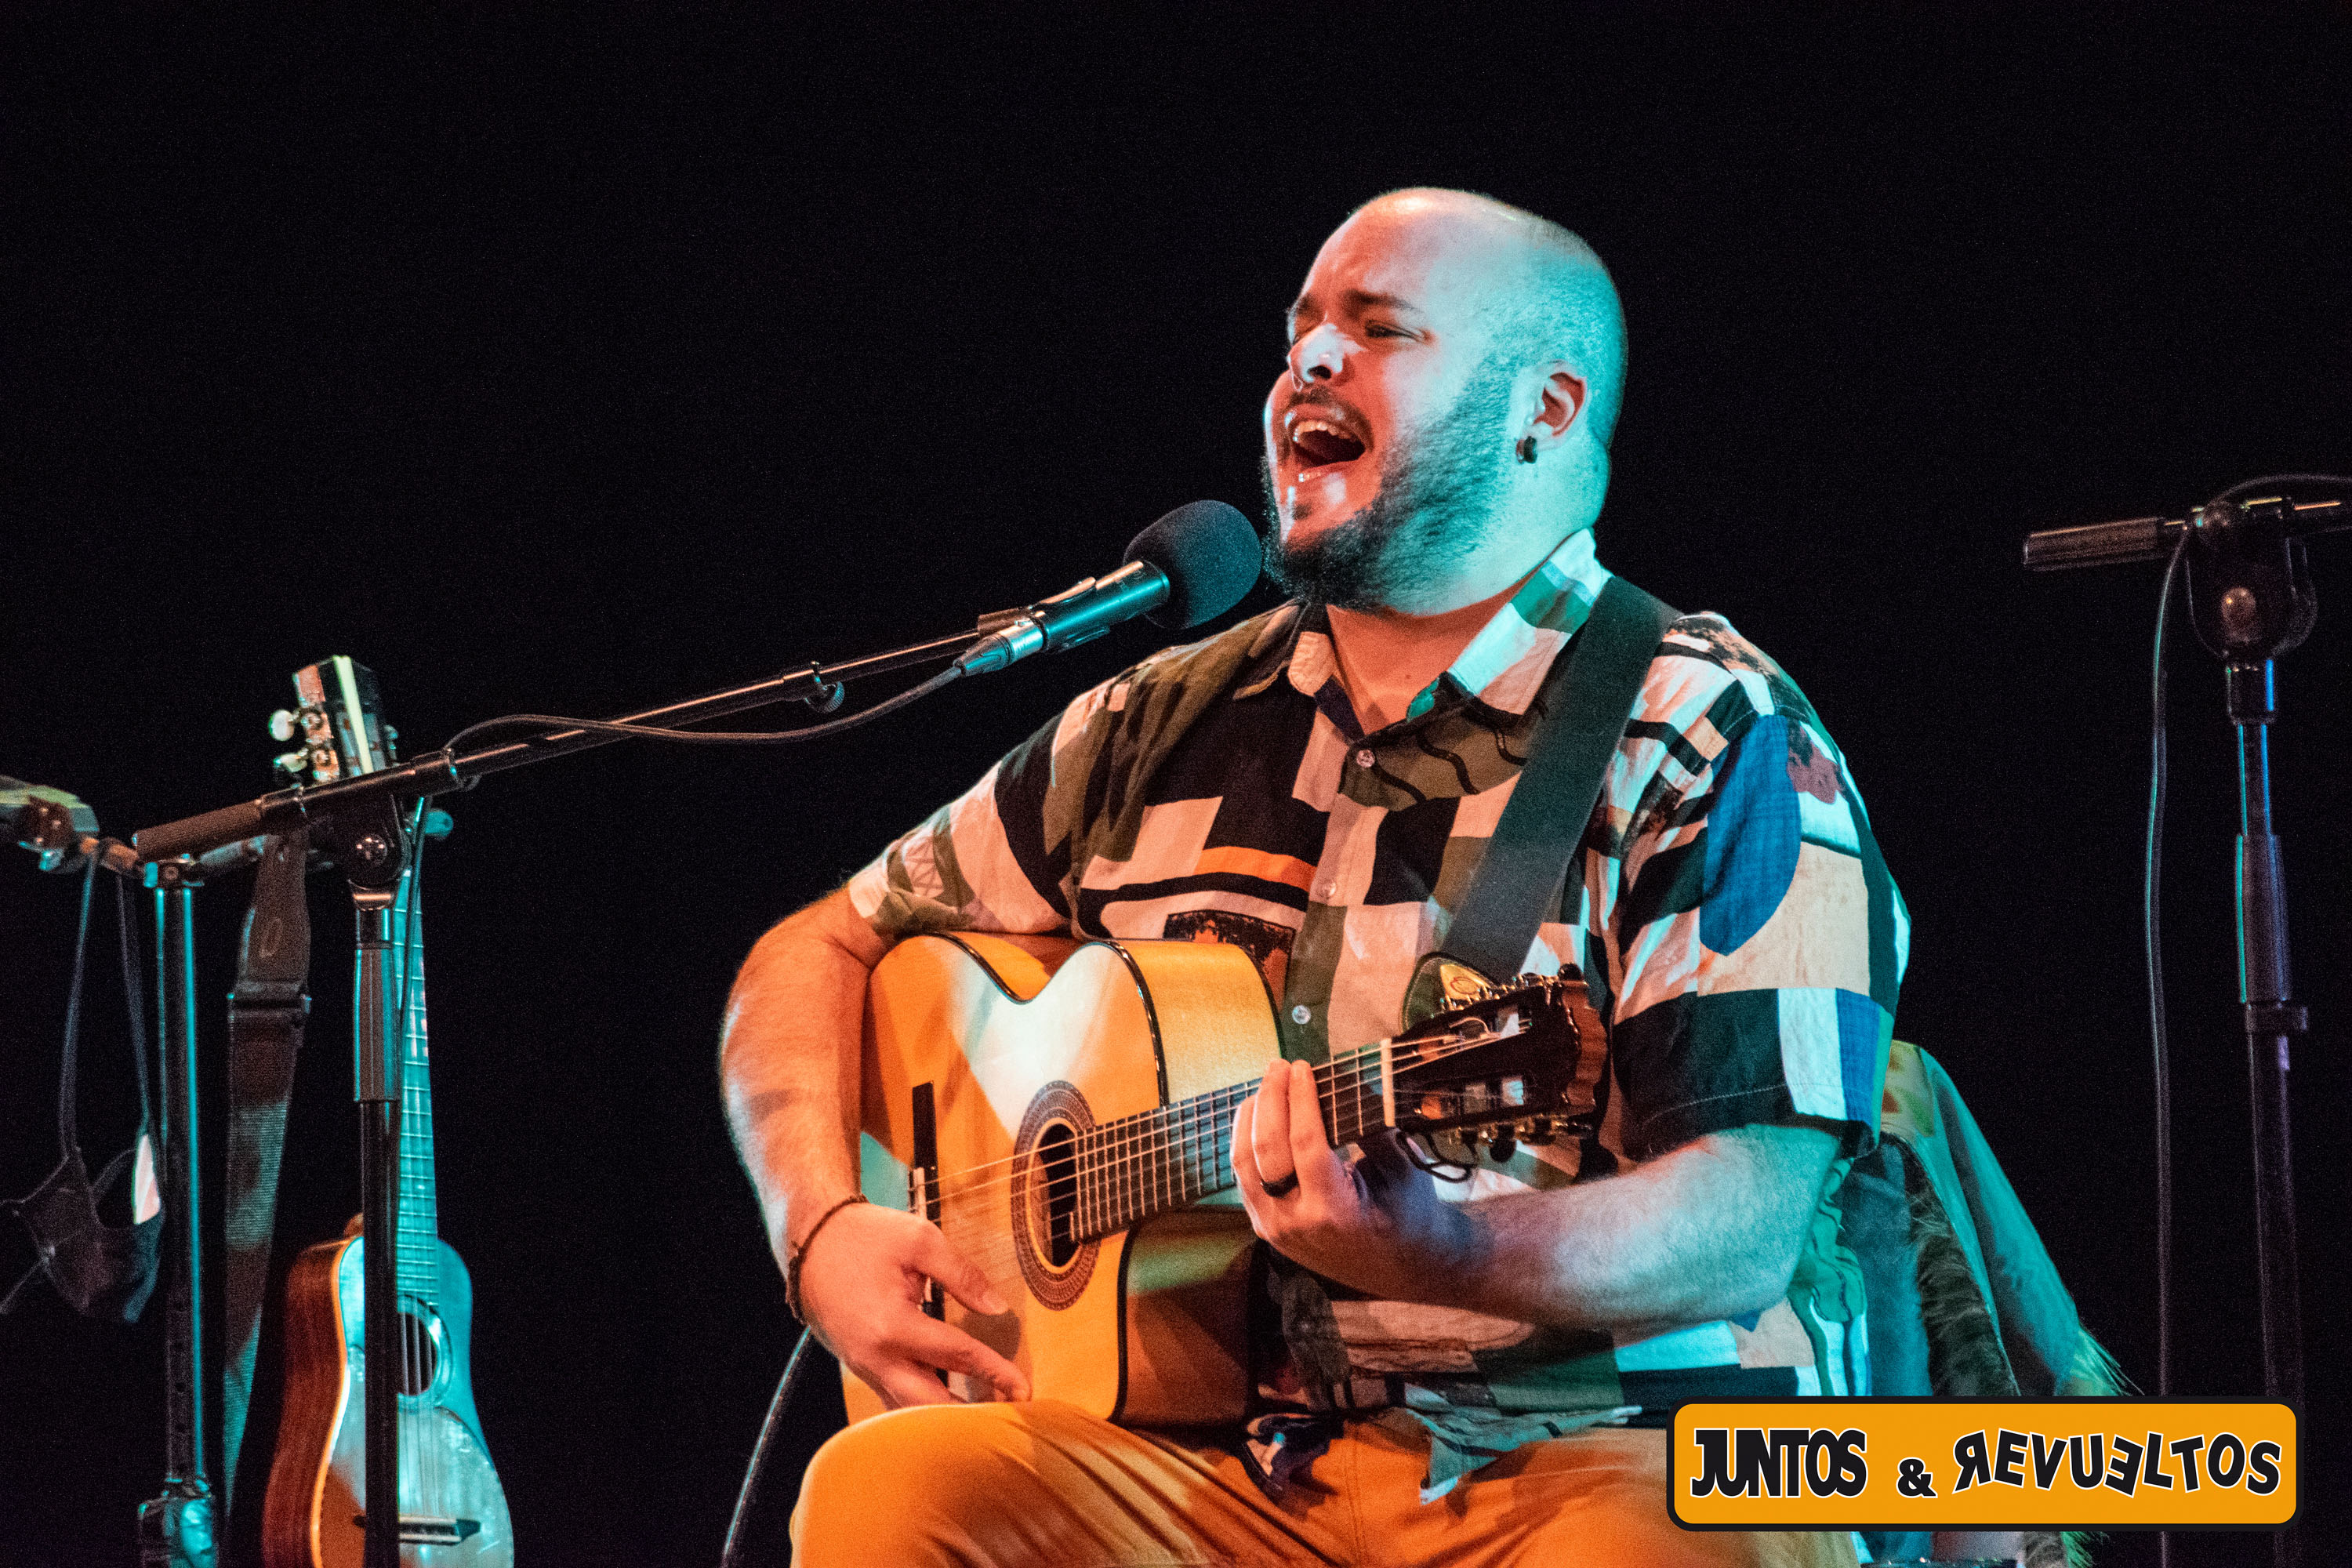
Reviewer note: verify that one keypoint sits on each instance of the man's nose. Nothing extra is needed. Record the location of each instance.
(1319, 355)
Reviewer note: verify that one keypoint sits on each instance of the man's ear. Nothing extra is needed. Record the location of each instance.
(1560, 402)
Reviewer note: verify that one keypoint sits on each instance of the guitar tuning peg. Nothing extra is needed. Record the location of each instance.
(293, 762)
(282, 726)
(1501, 1147)
(1539, 1130)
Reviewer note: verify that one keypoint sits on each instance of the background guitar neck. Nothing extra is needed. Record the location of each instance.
(419, 1258)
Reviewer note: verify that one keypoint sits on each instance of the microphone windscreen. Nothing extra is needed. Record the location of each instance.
(1210, 556)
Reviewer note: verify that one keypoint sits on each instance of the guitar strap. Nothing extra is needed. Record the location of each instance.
(1582, 712)
(267, 1011)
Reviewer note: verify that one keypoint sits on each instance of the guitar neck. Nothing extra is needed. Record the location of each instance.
(1139, 1166)
(417, 1257)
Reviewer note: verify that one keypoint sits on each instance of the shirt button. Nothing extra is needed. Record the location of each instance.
(1364, 758)
(1300, 1014)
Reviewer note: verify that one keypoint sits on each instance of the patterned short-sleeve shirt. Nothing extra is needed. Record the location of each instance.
(1728, 911)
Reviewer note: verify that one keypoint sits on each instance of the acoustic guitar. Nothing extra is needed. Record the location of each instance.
(1063, 1112)
(453, 1512)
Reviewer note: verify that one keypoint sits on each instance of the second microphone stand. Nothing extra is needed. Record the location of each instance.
(2251, 599)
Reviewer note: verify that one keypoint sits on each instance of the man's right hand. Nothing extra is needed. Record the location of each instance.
(861, 1283)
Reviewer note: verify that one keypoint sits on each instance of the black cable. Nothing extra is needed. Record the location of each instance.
(135, 994)
(549, 721)
(2152, 921)
(2152, 924)
(68, 1133)
(2336, 481)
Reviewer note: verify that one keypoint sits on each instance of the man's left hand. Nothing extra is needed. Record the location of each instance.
(1377, 1224)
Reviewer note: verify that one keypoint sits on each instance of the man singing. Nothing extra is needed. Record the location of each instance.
(1468, 1372)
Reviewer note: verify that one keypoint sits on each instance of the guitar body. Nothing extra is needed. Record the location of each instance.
(983, 1054)
(453, 1511)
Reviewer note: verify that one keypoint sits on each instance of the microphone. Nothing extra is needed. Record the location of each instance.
(1190, 566)
(2154, 538)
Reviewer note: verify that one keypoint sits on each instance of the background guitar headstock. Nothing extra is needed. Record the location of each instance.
(337, 724)
(339, 721)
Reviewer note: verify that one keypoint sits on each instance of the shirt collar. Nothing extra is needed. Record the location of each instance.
(1502, 667)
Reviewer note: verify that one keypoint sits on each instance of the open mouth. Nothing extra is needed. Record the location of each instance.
(1320, 444)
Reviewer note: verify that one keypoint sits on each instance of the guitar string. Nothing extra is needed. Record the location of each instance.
(1155, 1155)
(1329, 1088)
(1149, 1156)
(1129, 1196)
(420, 1470)
(1133, 1132)
(1168, 1164)
(1154, 1161)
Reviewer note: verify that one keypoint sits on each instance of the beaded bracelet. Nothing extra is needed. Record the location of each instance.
(796, 1255)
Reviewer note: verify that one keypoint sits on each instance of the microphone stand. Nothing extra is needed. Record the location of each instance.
(179, 1526)
(2251, 599)
(358, 820)
(178, 1529)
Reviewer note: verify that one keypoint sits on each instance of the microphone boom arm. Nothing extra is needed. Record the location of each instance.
(440, 772)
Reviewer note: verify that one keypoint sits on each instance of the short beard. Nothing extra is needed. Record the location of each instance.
(1437, 499)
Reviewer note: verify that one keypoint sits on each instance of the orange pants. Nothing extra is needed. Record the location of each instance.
(1041, 1485)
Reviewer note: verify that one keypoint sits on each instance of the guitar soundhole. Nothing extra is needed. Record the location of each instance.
(1048, 1207)
(1055, 1159)
(419, 1359)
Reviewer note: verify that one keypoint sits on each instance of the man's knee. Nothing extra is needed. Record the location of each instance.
(857, 1492)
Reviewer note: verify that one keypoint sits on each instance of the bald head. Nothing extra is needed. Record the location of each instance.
(1546, 293)
(1442, 423)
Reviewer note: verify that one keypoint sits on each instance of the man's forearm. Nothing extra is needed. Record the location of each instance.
(788, 1060)
(1710, 1231)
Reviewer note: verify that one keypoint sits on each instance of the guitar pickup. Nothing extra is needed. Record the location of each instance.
(422, 1530)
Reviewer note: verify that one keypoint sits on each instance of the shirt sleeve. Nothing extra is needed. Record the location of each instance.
(1762, 944)
(986, 860)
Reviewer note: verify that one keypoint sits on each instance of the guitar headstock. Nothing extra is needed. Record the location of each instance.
(1502, 1065)
(338, 726)
(339, 721)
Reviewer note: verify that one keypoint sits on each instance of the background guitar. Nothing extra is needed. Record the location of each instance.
(453, 1512)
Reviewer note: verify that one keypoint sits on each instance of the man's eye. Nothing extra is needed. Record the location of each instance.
(1378, 329)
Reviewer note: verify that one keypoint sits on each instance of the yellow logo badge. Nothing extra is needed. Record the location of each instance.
(1932, 1464)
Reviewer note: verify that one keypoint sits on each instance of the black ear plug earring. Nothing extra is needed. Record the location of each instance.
(1526, 448)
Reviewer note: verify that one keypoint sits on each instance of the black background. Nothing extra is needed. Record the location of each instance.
(575, 363)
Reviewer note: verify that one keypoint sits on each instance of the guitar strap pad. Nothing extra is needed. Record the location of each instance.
(268, 1010)
(1581, 715)
(104, 1271)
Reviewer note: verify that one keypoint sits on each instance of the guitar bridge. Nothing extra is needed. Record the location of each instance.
(923, 1182)
(423, 1530)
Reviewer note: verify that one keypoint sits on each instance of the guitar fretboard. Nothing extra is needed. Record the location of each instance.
(1141, 1166)
(417, 1257)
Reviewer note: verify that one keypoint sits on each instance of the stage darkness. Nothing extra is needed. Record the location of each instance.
(573, 365)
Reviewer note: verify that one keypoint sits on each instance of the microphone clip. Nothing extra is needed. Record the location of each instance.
(823, 696)
(1013, 635)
